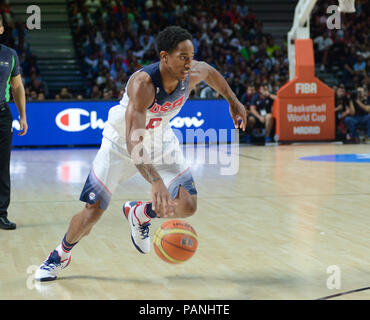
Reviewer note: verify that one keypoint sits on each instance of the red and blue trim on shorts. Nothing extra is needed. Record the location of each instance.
(184, 179)
(94, 190)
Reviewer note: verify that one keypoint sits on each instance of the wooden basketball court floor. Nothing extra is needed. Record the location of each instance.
(281, 228)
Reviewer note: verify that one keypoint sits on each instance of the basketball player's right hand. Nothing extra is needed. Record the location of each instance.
(162, 203)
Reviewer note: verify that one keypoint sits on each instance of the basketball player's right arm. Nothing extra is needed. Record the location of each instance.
(141, 93)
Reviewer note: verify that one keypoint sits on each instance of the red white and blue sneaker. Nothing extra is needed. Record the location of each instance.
(139, 232)
(51, 266)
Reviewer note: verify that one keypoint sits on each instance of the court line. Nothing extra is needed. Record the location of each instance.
(344, 293)
(241, 154)
(249, 157)
(215, 197)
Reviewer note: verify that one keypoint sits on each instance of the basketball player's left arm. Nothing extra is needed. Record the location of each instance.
(19, 97)
(202, 71)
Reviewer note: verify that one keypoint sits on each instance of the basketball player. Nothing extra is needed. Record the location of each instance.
(137, 137)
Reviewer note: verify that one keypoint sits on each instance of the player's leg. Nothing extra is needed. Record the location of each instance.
(82, 223)
(186, 204)
(101, 182)
(80, 226)
(176, 175)
(139, 214)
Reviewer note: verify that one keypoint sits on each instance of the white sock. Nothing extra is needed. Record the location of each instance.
(63, 254)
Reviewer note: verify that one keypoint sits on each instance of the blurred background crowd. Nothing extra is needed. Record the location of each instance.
(114, 38)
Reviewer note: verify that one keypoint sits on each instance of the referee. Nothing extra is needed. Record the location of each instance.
(9, 77)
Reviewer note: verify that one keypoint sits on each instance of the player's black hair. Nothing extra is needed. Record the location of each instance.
(168, 39)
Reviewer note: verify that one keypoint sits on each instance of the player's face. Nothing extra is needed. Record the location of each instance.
(180, 60)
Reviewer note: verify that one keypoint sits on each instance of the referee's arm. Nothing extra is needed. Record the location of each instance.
(19, 97)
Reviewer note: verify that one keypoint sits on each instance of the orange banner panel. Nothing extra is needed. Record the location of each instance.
(304, 107)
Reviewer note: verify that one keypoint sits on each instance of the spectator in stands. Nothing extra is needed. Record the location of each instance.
(360, 67)
(92, 5)
(323, 42)
(351, 60)
(261, 111)
(237, 86)
(41, 96)
(95, 93)
(207, 93)
(33, 95)
(246, 100)
(35, 83)
(64, 94)
(107, 95)
(342, 110)
(271, 47)
(360, 115)
(5, 9)
(247, 96)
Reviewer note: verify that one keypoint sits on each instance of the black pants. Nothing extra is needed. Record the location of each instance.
(6, 134)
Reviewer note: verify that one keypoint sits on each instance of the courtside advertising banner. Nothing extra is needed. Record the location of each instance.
(68, 123)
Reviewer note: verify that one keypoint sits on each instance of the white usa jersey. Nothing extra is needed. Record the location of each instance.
(164, 107)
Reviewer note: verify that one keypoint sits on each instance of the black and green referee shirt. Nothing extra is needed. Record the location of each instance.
(9, 67)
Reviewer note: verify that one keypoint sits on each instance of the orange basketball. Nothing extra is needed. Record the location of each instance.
(175, 241)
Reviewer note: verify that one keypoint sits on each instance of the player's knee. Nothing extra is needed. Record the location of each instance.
(92, 213)
(190, 207)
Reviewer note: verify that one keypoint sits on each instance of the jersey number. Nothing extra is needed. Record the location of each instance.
(154, 123)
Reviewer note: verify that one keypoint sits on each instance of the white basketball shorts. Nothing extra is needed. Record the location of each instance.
(113, 165)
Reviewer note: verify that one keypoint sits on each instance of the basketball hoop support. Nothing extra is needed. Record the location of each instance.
(301, 26)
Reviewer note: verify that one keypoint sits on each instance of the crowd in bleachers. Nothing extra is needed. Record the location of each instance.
(115, 38)
(15, 36)
(345, 52)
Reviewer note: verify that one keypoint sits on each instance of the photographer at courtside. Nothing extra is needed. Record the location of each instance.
(9, 77)
(360, 115)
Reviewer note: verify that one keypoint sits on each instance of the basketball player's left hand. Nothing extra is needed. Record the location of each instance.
(239, 115)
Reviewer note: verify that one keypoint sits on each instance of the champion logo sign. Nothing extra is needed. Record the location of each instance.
(76, 119)
(180, 122)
